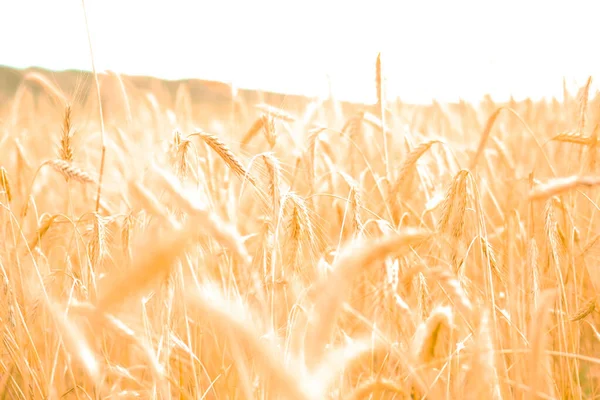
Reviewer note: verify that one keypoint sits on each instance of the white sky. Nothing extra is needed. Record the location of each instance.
(441, 49)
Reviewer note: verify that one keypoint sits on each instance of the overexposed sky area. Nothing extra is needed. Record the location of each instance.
(431, 49)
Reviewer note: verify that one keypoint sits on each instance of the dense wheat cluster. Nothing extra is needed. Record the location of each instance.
(390, 251)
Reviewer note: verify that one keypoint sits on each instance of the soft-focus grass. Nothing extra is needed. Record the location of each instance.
(271, 255)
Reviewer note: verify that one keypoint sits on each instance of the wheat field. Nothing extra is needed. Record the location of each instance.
(394, 251)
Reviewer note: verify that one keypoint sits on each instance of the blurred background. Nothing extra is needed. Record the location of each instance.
(432, 49)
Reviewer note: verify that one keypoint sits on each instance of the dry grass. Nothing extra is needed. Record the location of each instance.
(333, 256)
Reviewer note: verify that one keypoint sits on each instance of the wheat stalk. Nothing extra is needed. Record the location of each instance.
(381, 109)
(101, 115)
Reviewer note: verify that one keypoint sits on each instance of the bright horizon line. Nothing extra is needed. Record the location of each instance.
(572, 88)
(431, 49)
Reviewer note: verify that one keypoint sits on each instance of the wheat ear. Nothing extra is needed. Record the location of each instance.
(42, 230)
(65, 152)
(5, 184)
(572, 137)
(452, 220)
(70, 171)
(409, 164)
(225, 153)
(67, 170)
(251, 133)
(586, 309)
(274, 178)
